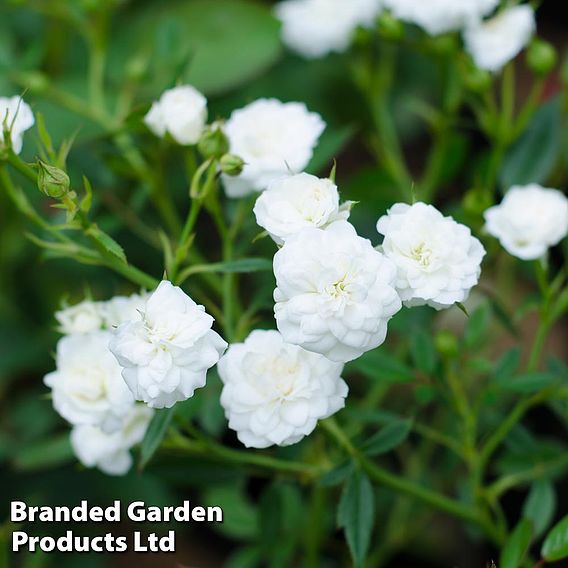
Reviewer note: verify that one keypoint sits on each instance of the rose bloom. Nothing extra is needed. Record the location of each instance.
(18, 117)
(293, 203)
(85, 317)
(87, 386)
(166, 354)
(314, 28)
(275, 392)
(120, 309)
(495, 42)
(334, 292)
(110, 452)
(181, 112)
(273, 138)
(440, 16)
(529, 220)
(438, 261)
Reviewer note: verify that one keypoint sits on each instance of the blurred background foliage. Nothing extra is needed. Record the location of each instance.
(230, 50)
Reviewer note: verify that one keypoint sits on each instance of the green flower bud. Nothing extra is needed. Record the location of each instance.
(446, 343)
(478, 80)
(541, 57)
(52, 181)
(213, 143)
(444, 44)
(136, 68)
(390, 27)
(231, 165)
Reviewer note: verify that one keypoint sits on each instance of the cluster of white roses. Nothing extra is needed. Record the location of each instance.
(270, 136)
(315, 28)
(335, 292)
(87, 386)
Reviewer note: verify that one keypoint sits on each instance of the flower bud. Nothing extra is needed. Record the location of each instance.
(444, 44)
(477, 80)
(52, 181)
(137, 68)
(541, 57)
(231, 165)
(446, 343)
(213, 142)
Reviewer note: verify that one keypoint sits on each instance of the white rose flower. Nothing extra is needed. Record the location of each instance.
(438, 260)
(85, 317)
(293, 203)
(19, 118)
(314, 28)
(87, 386)
(275, 392)
(165, 356)
(121, 309)
(334, 292)
(110, 452)
(440, 16)
(495, 42)
(529, 220)
(273, 138)
(181, 112)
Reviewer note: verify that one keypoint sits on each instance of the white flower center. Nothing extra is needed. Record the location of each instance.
(340, 290)
(422, 254)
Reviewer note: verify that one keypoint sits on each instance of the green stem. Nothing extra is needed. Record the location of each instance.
(157, 192)
(97, 55)
(539, 342)
(387, 146)
(464, 410)
(17, 163)
(539, 471)
(313, 533)
(506, 425)
(384, 477)
(544, 323)
(209, 448)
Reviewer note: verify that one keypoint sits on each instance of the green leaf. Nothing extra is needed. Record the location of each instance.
(555, 546)
(423, 351)
(332, 141)
(245, 557)
(242, 265)
(356, 515)
(87, 200)
(517, 545)
(507, 364)
(477, 326)
(391, 436)
(533, 157)
(529, 382)
(106, 242)
(540, 504)
(194, 43)
(336, 475)
(44, 136)
(155, 434)
(378, 365)
(240, 518)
